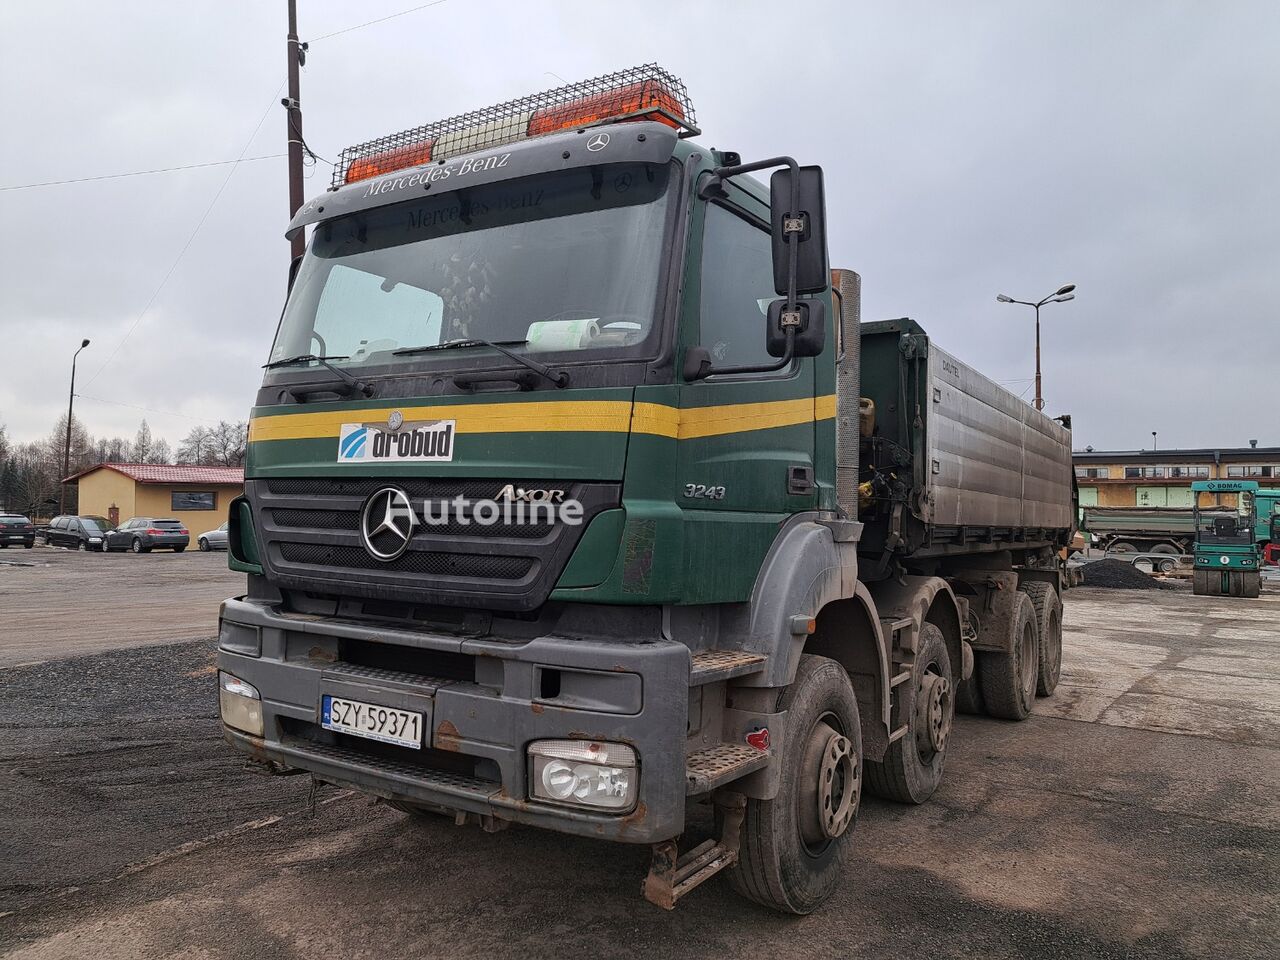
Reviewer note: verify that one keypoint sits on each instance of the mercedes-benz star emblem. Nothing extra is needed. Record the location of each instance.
(395, 421)
(598, 142)
(386, 523)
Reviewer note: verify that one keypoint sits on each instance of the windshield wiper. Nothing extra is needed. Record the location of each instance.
(357, 385)
(558, 377)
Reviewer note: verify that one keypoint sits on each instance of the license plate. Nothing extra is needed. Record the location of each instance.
(386, 724)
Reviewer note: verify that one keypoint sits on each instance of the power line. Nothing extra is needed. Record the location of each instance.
(370, 23)
(141, 173)
(134, 406)
(181, 253)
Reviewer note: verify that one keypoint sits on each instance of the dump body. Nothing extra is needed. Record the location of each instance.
(974, 468)
(1124, 529)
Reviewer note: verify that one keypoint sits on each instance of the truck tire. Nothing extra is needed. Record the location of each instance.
(912, 766)
(1049, 625)
(1122, 546)
(1009, 679)
(793, 847)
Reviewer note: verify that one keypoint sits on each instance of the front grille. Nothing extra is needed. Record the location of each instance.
(311, 539)
(434, 564)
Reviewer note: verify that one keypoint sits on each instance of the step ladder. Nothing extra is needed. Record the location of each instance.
(673, 874)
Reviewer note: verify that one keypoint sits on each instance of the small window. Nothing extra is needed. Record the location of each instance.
(737, 288)
(1235, 471)
(193, 500)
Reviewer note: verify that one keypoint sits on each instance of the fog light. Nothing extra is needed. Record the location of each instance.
(584, 773)
(240, 704)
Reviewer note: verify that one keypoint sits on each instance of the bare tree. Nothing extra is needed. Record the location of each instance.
(196, 447)
(142, 444)
(160, 452)
(227, 442)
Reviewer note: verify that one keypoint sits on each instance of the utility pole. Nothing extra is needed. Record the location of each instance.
(66, 447)
(293, 126)
(1062, 295)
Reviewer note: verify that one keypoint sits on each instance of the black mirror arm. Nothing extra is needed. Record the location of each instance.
(700, 368)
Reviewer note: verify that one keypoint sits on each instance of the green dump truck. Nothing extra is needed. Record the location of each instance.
(577, 496)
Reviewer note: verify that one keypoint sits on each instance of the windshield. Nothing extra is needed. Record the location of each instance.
(565, 261)
(1227, 526)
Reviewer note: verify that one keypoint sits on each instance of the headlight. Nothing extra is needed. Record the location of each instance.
(240, 704)
(584, 773)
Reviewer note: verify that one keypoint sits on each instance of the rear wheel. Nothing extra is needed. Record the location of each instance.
(1049, 625)
(912, 766)
(793, 846)
(178, 549)
(1167, 566)
(137, 546)
(1166, 548)
(1009, 679)
(1123, 546)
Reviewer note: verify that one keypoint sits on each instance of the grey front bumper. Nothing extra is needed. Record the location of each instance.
(633, 692)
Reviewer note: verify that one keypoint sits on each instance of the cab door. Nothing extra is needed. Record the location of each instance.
(745, 459)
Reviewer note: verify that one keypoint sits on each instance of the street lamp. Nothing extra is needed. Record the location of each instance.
(66, 449)
(1061, 295)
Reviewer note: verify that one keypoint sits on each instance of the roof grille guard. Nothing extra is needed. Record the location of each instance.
(639, 93)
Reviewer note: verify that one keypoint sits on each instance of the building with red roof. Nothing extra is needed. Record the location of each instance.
(197, 496)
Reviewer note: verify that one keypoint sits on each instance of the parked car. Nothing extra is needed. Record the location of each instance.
(78, 533)
(16, 529)
(215, 539)
(144, 534)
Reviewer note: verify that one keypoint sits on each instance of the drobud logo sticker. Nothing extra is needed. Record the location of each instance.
(424, 442)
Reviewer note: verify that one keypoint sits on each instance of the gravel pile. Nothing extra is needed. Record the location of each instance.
(1118, 575)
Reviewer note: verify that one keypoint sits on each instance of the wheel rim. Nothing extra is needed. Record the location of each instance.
(832, 789)
(932, 713)
(1028, 664)
(137, 546)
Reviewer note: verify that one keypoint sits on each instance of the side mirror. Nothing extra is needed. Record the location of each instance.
(810, 331)
(809, 220)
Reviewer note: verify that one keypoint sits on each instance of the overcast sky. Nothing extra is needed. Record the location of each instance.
(970, 149)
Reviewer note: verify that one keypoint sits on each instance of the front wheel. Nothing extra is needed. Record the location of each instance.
(82, 546)
(203, 544)
(793, 846)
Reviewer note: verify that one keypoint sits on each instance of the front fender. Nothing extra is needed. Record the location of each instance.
(813, 562)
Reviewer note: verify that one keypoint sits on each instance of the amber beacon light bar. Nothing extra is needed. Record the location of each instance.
(639, 93)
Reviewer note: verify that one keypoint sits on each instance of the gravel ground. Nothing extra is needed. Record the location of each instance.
(1133, 815)
(1119, 575)
(111, 759)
